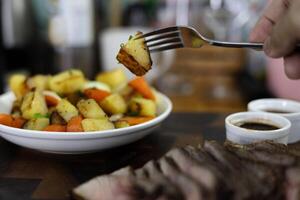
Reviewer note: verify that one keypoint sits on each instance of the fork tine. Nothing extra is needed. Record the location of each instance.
(163, 36)
(165, 41)
(163, 30)
(167, 47)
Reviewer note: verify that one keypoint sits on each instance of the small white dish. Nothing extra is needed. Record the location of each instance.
(240, 135)
(292, 109)
(80, 142)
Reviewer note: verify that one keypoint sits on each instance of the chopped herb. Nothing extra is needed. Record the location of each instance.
(39, 115)
(133, 113)
(130, 37)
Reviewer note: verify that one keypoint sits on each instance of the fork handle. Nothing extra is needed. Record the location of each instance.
(257, 46)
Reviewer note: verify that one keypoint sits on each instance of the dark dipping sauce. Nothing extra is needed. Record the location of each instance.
(257, 126)
(277, 111)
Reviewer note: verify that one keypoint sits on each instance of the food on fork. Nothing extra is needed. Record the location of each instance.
(135, 55)
(68, 102)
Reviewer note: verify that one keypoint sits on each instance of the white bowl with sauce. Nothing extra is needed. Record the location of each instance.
(286, 108)
(248, 127)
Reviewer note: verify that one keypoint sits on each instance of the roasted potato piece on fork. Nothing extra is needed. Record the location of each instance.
(135, 55)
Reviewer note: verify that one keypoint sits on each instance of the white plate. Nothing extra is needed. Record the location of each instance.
(80, 142)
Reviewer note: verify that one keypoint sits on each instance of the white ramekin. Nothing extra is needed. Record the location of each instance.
(240, 135)
(282, 104)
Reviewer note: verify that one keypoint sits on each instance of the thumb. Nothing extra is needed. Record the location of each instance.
(291, 65)
(285, 33)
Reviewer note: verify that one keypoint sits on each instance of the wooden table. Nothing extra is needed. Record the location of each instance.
(29, 174)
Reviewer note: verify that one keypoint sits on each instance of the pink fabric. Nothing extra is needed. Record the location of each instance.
(278, 82)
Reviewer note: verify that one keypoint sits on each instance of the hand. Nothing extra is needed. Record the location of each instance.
(279, 29)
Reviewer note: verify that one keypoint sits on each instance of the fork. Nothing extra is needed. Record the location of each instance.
(185, 36)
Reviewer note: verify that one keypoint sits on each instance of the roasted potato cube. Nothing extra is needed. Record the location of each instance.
(156, 95)
(37, 124)
(40, 82)
(67, 82)
(126, 91)
(74, 97)
(96, 124)
(142, 107)
(90, 109)
(121, 124)
(114, 104)
(66, 110)
(17, 84)
(114, 78)
(32, 104)
(135, 55)
(115, 117)
(55, 118)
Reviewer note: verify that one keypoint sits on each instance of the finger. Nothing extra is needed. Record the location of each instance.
(285, 33)
(292, 65)
(261, 31)
(263, 28)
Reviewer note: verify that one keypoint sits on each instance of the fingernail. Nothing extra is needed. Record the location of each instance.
(267, 47)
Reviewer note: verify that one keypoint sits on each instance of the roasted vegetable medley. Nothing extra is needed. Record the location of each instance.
(68, 102)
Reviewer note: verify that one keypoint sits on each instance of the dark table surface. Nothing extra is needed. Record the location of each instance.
(29, 174)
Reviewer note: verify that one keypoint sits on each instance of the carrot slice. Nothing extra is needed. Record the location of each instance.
(135, 120)
(51, 101)
(96, 94)
(140, 85)
(18, 122)
(74, 125)
(55, 128)
(6, 119)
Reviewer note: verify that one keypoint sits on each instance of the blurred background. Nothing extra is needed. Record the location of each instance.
(48, 36)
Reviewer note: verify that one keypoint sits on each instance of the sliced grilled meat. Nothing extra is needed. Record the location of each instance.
(244, 185)
(225, 158)
(270, 154)
(292, 184)
(149, 183)
(141, 173)
(119, 185)
(263, 170)
(108, 187)
(224, 188)
(266, 145)
(284, 160)
(157, 185)
(188, 186)
(202, 174)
